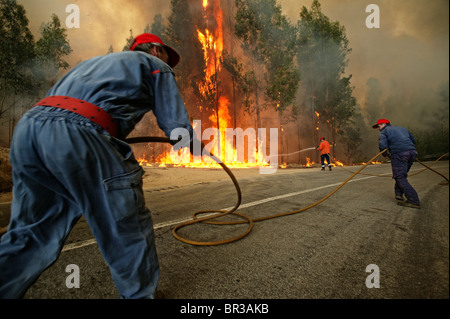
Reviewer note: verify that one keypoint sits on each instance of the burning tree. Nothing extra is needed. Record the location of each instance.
(158, 28)
(181, 33)
(210, 35)
(207, 69)
(267, 73)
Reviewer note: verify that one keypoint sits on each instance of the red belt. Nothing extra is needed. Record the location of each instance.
(83, 108)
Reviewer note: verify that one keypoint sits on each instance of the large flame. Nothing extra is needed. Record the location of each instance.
(211, 39)
(337, 163)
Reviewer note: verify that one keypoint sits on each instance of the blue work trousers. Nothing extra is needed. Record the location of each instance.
(401, 164)
(323, 158)
(65, 166)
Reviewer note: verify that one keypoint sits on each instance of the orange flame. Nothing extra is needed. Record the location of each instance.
(211, 39)
(212, 43)
(337, 163)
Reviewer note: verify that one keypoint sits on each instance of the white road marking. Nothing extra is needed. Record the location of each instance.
(89, 242)
(258, 202)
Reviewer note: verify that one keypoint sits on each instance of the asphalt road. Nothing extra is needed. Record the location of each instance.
(340, 249)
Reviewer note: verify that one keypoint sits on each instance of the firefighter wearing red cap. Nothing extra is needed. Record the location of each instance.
(151, 43)
(324, 149)
(69, 159)
(402, 152)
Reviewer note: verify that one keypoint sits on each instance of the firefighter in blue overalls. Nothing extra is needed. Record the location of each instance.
(69, 158)
(401, 146)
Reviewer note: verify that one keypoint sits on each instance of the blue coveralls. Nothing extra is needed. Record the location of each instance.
(401, 144)
(64, 166)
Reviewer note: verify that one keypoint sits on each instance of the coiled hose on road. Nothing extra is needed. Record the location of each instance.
(245, 219)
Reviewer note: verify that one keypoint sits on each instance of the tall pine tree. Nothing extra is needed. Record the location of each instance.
(51, 50)
(16, 50)
(323, 57)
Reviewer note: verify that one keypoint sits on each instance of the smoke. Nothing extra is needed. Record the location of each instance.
(407, 57)
(103, 23)
(411, 46)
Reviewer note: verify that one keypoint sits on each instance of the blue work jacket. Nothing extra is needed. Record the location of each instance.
(397, 139)
(127, 85)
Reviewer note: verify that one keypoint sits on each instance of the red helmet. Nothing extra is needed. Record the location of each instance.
(382, 121)
(174, 57)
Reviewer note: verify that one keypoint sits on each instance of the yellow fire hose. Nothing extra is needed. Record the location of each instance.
(245, 219)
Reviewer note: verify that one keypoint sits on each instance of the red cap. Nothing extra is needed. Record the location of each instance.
(382, 121)
(322, 138)
(174, 57)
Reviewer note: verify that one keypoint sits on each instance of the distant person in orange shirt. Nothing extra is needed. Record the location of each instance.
(324, 149)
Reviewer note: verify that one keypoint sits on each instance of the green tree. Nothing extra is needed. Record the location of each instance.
(270, 40)
(235, 69)
(374, 107)
(245, 80)
(279, 49)
(16, 55)
(16, 51)
(443, 108)
(158, 27)
(322, 57)
(352, 136)
(51, 50)
(248, 29)
(181, 34)
(128, 41)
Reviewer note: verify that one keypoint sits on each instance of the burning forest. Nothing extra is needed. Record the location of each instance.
(104, 88)
(242, 85)
(247, 66)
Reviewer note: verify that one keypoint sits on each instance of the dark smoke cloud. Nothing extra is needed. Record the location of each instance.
(103, 22)
(410, 49)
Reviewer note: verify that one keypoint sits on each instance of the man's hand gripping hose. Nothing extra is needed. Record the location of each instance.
(151, 139)
(209, 219)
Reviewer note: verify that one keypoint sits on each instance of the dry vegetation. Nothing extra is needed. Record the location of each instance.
(5, 171)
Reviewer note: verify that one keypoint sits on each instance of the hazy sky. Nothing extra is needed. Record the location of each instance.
(411, 45)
